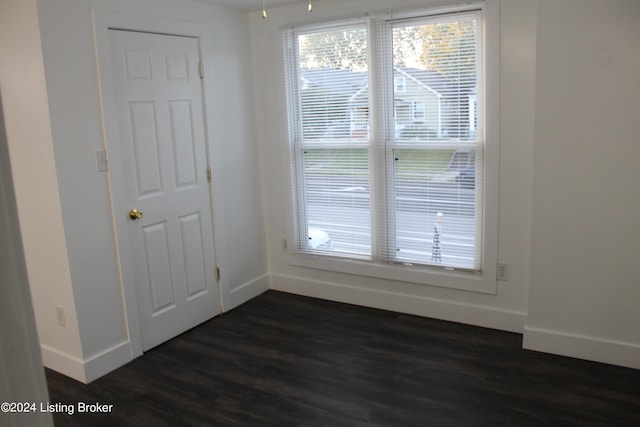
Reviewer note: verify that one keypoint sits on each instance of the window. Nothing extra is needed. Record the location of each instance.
(419, 111)
(387, 172)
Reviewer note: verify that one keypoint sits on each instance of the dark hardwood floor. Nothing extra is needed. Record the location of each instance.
(285, 360)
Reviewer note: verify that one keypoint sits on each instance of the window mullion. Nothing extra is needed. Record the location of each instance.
(380, 95)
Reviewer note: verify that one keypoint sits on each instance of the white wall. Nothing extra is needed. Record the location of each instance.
(506, 310)
(585, 287)
(236, 166)
(21, 374)
(72, 86)
(28, 130)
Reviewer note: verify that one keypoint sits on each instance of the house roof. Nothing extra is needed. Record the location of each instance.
(343, 82)
(350, 84)
(433, 80)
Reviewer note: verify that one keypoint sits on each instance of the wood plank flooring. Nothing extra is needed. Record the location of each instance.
(286, 360)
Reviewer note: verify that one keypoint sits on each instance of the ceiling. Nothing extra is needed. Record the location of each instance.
(253, 4)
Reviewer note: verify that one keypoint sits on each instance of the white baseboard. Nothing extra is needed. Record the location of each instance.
(582, 347)
(488, 317)
(94, 367)
(243, 293)
(89, 369)
(107, 361)
(64, 363)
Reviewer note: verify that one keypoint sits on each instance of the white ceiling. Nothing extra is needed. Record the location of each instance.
(253, 4)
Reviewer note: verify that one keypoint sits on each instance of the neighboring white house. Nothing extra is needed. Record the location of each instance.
(326, 93)
(426, 106)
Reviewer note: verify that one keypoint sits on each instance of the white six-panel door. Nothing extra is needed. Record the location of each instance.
(161, 137)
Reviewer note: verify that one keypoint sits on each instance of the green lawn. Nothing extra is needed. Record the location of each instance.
(409, 163)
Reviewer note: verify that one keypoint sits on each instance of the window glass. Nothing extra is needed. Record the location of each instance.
(414, 197)
(333, 174)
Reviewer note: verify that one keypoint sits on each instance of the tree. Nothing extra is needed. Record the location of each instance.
(448, 47)
(341, 49)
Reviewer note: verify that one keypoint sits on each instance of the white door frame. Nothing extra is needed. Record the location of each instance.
(103, 21)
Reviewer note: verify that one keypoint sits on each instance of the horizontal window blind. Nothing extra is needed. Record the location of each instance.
(332, 142)
(434, 152)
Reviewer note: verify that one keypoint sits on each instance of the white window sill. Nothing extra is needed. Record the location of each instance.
(441, 277)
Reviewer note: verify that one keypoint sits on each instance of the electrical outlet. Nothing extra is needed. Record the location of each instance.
(62, 321)
(503, 271)
(284, 245)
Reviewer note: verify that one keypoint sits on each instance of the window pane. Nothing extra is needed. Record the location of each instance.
(333, 83)
(334, 110)
(436, 205)
(437, 59)
(434, 190)
(337, 201)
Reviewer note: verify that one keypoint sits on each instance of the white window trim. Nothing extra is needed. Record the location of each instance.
(484, 281)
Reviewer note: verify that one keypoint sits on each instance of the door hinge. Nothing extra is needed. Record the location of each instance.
(201, 67)
(209, 173)
(218, 274)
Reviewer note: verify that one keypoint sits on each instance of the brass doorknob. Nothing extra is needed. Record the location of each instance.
(135, 214)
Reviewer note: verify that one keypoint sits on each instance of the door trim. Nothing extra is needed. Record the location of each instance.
(103, 22)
